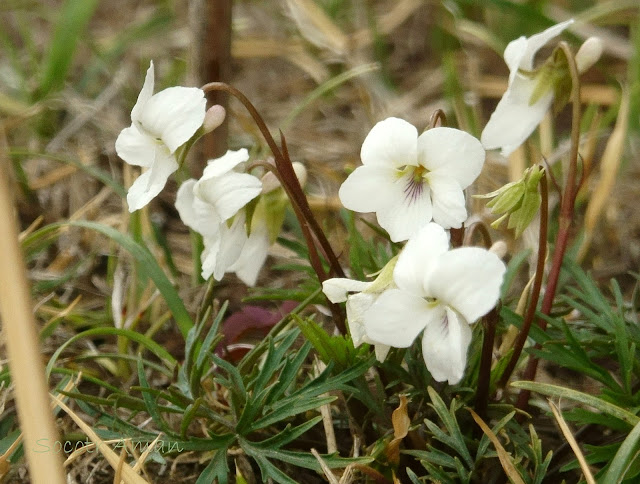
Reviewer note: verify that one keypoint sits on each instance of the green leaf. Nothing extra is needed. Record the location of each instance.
(623, 458)
(584, 398)
(149, 400)
(149, 266)
(217, 470)
(74, 17)
(288, 434)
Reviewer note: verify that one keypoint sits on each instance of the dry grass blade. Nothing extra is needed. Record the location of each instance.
(609, 166)
(503, 455)
(317, 27)
(129, 476)
(325, 468)
(572, 442)
(23, 347)
(325, 411)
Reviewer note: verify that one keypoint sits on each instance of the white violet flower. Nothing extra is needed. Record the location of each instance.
(366, 293)
(409, 180)
(531, 93)
(207, 204)
(440, 292)
(160, 124)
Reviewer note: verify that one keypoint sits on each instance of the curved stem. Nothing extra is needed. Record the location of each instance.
(438, 118)
(537, 286)
(565, 218)
(291, 185)
(471, 231)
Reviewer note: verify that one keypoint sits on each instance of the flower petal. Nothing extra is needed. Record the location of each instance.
(174, 115)
(514, 119)
(390, 143)
(449, 207)
(195, 213)
(452, 152)
(254, 253)
(397, 317)
(444, 347)
(537, 41)
(368, 188)
(468, 280)
(136, 147)
(225, 163)
(418, 256)
(407, 210)
(151, 182)
(228, 193)
(357, 305)
(232, 242)
(209, 255)
(337, 288)
(145, 94)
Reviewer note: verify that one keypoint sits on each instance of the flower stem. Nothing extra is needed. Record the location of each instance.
(490, 322)
(537, 285)
(289, 180)
(565, 218)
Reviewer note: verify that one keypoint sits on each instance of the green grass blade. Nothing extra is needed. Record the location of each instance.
(73, 19)
(623, 458)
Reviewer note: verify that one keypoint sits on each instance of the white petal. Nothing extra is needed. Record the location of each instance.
(136, 147)
(444, 347)
(452, 152)
(151, 182)
(537, 41)
(408, 209)
(174, 115)
(209, 255)
(514, 119)
(195, 213)
(589, 53)
(449, 208)
(418, 256)
(390, 143)
(513, 55)
(397, 317)
(254, 253)
(381, 352)
(228, 193)
(145, 94)
(337, 288)
(232, 241)
(468, 280)
(357, 305)
(225, 163)
(368, 188)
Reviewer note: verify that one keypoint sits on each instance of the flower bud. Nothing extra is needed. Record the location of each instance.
(213, 118)
(499, 248)
(589, 53)
(270, 182)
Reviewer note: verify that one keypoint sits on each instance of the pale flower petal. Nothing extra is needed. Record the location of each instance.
(224, 164)
(390, 143)
(468, 280)
(195, 213)
(514, 118)
(537, 41)
(174, 115)
(408, 210)
(452, 152)
(222, 251)
(357, 305)
(253, 255)
(396, 318)
(368, 189)
(418, 256)
(228, 193)
(444, 346)
(337, 288)
(150, 183)
(449, 207)
(145, 94)
(135, 147)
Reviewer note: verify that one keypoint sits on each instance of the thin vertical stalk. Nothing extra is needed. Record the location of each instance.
(291, 186)
(23, 347)
(565, 218)
(537, 285)
(490, 322)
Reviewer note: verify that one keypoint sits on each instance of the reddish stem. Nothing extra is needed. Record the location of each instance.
(564, 221)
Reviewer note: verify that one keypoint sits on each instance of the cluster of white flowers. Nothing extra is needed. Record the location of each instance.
(215, 205)
(408, 181)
